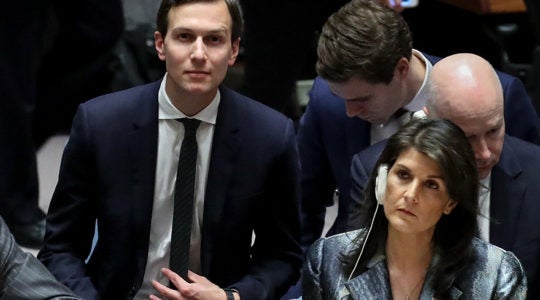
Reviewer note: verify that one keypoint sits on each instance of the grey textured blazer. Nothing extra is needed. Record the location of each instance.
(22, 276)
(494, 274)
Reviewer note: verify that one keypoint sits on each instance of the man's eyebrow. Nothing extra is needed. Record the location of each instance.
(220, 30)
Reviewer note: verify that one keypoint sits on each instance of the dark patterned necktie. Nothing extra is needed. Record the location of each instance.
(183, 199)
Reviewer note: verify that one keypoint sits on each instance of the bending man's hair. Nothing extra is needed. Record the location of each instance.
(365, 39)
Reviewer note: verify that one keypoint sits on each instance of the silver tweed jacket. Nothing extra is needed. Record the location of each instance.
(23, 277)
(494, 274)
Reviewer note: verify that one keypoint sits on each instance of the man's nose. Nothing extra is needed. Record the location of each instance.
(353, 109)
(481, 149)
(198, 50)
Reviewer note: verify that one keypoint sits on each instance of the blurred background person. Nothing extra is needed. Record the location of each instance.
(280, 48)
(55, 54)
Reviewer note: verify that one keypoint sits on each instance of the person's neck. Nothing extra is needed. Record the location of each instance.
(408, 257)
(417, 73)
(409, 251)
(189, 104)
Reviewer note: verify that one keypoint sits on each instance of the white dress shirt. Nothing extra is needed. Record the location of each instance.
(484, 196)
(171, 134)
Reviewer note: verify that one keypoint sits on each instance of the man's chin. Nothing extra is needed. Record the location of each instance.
(483, 172)
(371, 120)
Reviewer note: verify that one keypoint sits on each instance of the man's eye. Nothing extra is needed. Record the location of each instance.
(493, 131)
(214, 39)
(184, 36)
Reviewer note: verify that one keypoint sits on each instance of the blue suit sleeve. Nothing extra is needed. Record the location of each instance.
(316, 179)
(520, 116)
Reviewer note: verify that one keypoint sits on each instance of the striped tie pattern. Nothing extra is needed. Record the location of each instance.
(183, 199)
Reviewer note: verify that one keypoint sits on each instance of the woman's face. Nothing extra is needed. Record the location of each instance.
(416, 194)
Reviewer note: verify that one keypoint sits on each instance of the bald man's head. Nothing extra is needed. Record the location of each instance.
(464, 82)
(465, 89)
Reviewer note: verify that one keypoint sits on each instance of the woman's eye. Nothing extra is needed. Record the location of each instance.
(432, 184)
(403, 174)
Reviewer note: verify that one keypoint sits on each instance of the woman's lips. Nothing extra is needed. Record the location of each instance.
(405, 211)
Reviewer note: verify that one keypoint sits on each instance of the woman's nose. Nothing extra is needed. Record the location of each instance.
(411, 193)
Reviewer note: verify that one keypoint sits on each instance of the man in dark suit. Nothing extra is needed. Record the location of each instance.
(464, 89)
(22, 276)
(119, 167)
(359, 98)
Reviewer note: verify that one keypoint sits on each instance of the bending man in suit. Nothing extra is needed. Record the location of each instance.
(119, 170)
(369, 74)
(464, 89)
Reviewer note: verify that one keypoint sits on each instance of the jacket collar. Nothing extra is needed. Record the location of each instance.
(374, 283)
(506, 184)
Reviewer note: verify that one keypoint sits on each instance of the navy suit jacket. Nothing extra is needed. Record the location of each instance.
(108, 172)
(328, 139)
(514, 202)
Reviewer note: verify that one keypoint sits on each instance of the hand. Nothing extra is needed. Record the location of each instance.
(200, 288)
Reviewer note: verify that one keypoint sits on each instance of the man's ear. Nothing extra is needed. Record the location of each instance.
(159, 43)
(402, 68)
(235, 50)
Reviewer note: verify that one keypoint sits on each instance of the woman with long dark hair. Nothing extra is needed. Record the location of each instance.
(420, 242)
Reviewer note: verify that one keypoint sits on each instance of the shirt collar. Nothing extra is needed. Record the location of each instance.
(485, 184)
(419, 100)
(167, 110)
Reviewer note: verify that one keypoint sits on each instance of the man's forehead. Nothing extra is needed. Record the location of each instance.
(191, 13)
(352, 89)
(478, 123)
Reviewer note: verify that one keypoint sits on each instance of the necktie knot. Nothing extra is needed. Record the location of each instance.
(400, 112)
(402, 116)
(190, 126)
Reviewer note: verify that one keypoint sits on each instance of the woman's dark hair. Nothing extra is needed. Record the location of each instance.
(234, 10)
(447, 145)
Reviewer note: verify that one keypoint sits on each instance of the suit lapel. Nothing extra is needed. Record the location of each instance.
(225, 146)
(371, 284)
(142, 154)
(506, 198)
(375, 284)
(427, 290)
